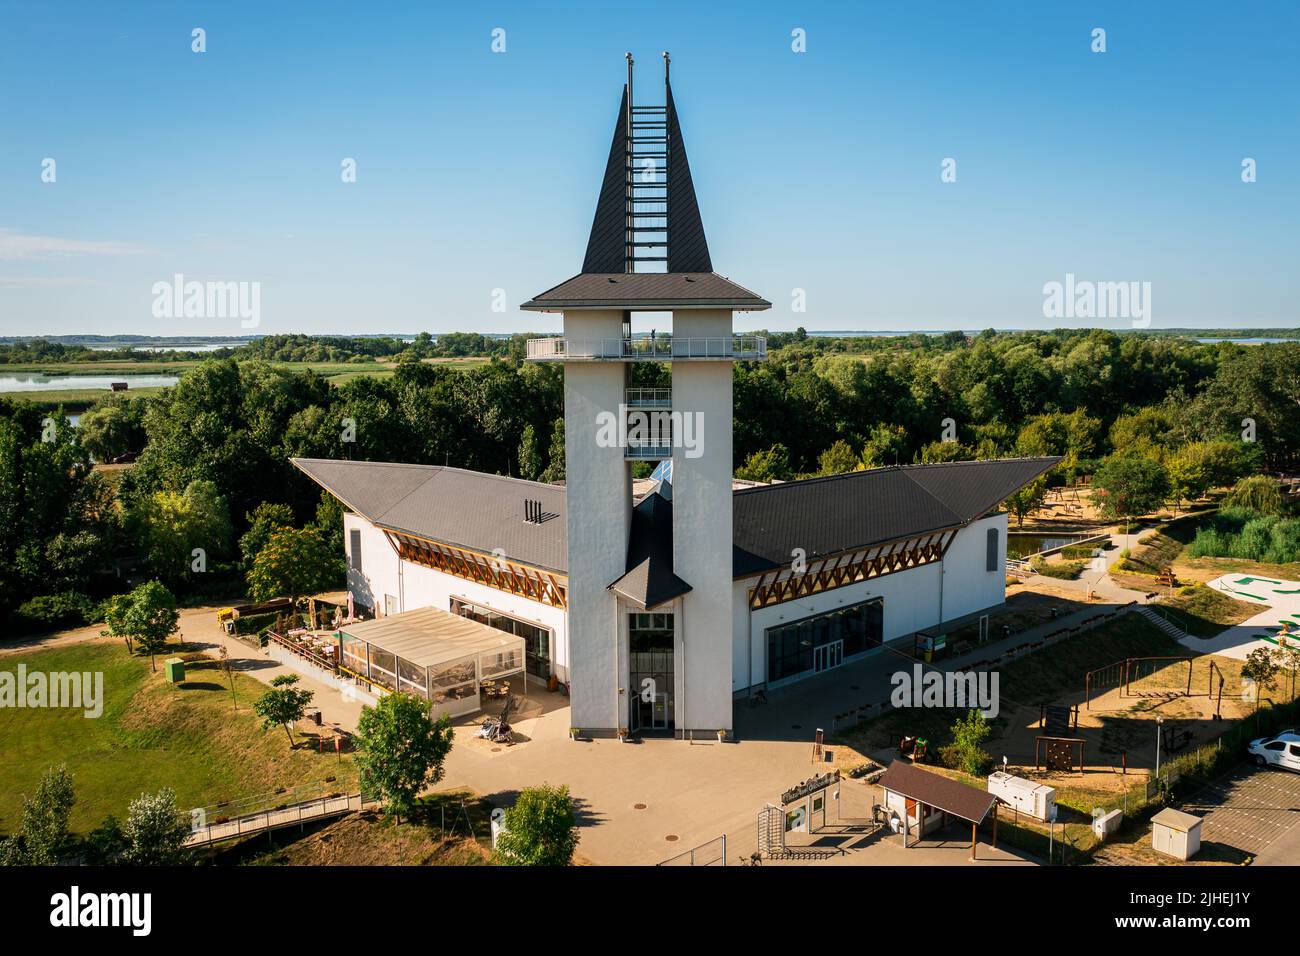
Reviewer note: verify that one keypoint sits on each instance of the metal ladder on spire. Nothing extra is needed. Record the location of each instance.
(646, 184)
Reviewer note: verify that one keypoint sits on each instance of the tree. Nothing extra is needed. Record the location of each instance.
(223, 662)
(966, 753)
(555, 454)
(1262, 667)
(263, 521)
(1027, 500)
(1127, 485)
(530, 454)
(1258, 493)
(146, 617)
(772, 464)
(541, 829)
(155, 831)
(283, 704)
(1189, 473)
(111, 427)
(45, 818)
(294, 563)
(401, 748)
(171, 526)
(837, 459)
(940, 451)
(887, 445)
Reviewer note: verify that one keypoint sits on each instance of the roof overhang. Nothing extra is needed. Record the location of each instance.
(647, 292)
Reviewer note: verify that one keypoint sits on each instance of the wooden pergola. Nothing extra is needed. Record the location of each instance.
(490, 570)
(777, 587)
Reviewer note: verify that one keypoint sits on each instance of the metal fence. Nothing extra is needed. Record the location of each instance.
(712, 853)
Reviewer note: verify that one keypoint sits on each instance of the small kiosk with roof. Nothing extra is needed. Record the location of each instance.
(918, 802)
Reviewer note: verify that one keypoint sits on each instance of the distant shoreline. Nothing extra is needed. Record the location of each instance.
(182, 343)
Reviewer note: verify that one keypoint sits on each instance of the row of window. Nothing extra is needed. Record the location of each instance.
(537, 640)
(791, 647)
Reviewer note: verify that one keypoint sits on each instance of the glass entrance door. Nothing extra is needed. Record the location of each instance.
(659, 715)
(826, 656)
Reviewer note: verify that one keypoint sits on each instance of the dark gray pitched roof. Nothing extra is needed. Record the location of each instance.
(650, 580)
(934, 790)
(688, 249)
(860, 509)
(606, 251)
(647, 291)
(466, 509)
(824, 516)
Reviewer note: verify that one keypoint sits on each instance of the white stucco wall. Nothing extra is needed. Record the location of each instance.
(599, 504)
(415, 586)
(911, 599)
(702, 502)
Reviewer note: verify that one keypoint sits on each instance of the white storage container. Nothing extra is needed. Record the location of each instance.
(1032, 799)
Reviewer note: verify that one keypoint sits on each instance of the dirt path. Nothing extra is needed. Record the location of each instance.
(196, 623)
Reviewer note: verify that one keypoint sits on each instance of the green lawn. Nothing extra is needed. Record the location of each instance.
(151, 735)
(1206, 612)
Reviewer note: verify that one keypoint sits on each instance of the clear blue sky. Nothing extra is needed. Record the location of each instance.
(478, 171)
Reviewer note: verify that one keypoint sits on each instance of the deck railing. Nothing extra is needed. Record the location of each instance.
(648, 397)
(659, 349)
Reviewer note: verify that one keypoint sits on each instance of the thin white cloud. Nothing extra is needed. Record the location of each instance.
(17, 282)
(15, 246)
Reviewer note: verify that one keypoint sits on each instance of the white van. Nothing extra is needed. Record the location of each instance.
(1280, 750)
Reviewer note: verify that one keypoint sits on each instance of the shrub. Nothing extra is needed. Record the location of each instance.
(1062, 570)
(1247, 535)
(965, 753)
(541, 829)
(50, 612)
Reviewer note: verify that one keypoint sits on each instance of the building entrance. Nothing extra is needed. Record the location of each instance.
(650, 691)
(826, 656)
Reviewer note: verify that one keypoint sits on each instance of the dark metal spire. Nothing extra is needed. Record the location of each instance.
(647, 211)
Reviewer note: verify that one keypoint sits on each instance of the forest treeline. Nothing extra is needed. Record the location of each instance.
(213, 451)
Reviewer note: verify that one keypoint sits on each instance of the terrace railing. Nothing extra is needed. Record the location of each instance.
(648, 397)
(659, 349)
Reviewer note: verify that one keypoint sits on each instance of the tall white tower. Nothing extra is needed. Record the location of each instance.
(650, 581)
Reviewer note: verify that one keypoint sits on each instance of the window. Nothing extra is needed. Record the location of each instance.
(390, 605)
(859, 628)
(1275, 745)
(537, 640)
(354, 548)
(991, 557)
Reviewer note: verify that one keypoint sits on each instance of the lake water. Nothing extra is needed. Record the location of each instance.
(1023, 545)
(179, 347)
(1259, 341)
(24, 382)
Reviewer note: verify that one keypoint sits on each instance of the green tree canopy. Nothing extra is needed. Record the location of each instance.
(45, 818)
(401, 749)
(263, 521)
(541, 829)
(1128, 485)
(171, 526)
(284, 704)
(155, 831)
(770, 465)
(144, 619)
(295, 563)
